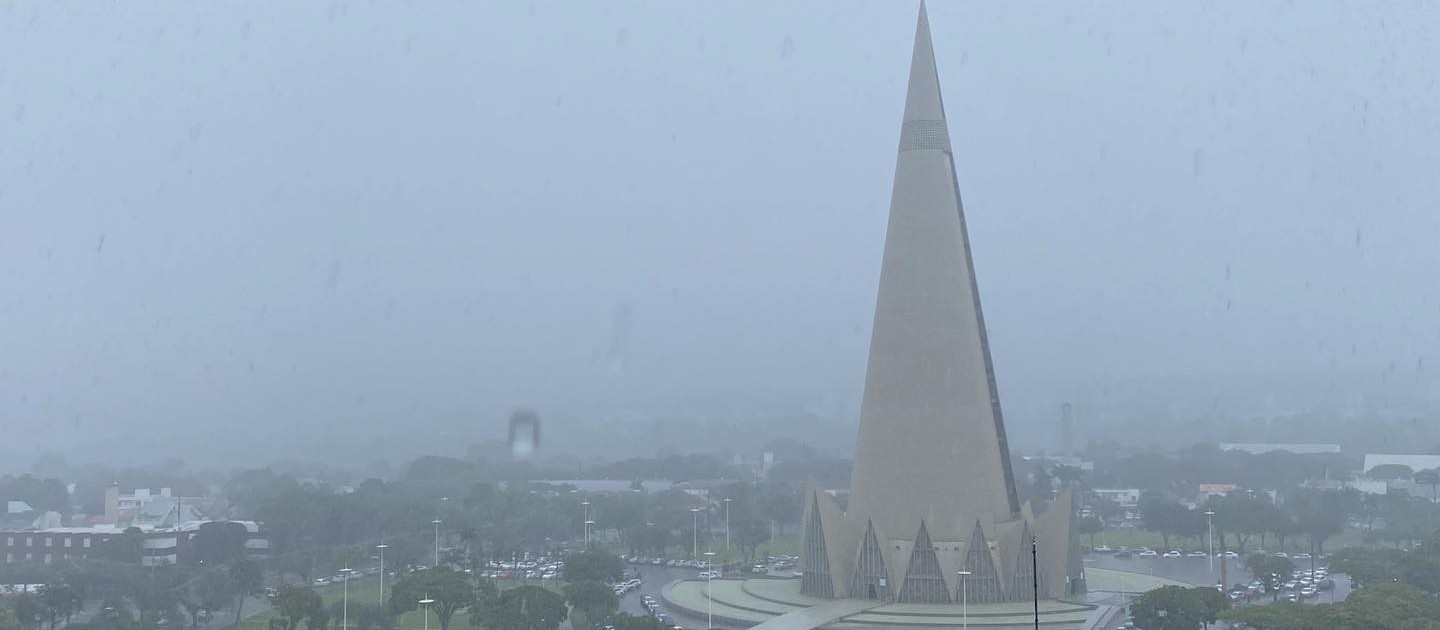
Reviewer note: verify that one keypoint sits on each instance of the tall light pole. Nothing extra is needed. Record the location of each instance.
(436, 523)
(1210, 538)
(964, 597)
(426, 602)
(585, 520)
(709, 574)
(694, 533)
(345, 599)
(382, 547)
(727, 524)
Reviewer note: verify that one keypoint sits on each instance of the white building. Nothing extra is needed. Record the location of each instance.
(1260, 448)
(1415, 463)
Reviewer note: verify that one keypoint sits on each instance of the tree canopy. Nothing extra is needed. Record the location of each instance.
(449, 589)
(523, 608)
(1178, 608)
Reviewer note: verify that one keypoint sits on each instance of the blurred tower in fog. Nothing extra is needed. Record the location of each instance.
(1067, 430)
(617, 355)
(524, 435)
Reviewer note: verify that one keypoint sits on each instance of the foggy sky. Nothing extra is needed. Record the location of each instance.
(234, 230)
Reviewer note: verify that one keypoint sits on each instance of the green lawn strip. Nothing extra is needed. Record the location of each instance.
(368, 592)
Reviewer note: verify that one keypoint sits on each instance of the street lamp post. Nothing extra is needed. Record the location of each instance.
(1210, 538)
(382, 547)
(345, 599)
(426, 602)
(709, 574)
(727, 524)
(964, 597)
(585, 519)
(436, 523)
(694, 533)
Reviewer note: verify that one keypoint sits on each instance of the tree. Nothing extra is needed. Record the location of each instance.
(373, 617)
(219, 542)
(623, 621)
(213, 591)
(1241, 515)
(1271, 570)
(1090, 526)
(1384, 607)
(25, 610)
(749, 533)
(1178, 608)
(296, 603)
(1165, 517)
(59, 600)
(246, 580)
(449, 589)
(1419, 568)
(596, 599)
(1318, 516)
(128, 547)
(523, 608)
(593, 565)
(7, 618)
(1280, 616)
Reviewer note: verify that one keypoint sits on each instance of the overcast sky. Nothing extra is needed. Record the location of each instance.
(227, 223)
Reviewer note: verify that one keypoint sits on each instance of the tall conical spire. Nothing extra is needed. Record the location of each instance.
(922, 100)
(932, 440)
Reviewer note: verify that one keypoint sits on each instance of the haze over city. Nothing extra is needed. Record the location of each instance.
(350, 232)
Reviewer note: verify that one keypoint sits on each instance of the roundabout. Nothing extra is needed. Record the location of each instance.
(754, 601)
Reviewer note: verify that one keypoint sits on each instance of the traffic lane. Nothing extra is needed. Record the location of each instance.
(652, 579)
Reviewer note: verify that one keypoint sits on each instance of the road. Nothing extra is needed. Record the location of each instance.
(652, 579)
(1197, 571)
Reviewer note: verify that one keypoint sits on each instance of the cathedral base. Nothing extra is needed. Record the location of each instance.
(745, 603)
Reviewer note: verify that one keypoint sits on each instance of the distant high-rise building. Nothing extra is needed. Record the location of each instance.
(932, 492)
(1067, 430)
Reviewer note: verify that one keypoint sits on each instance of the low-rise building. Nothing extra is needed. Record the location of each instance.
(161, 546)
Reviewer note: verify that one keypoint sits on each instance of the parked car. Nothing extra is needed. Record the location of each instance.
(1172, 554)
(1148, 554)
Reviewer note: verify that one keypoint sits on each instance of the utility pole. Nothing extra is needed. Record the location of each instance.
(1035, 576)
(727, 524)
(1210, 539)
(382, 547)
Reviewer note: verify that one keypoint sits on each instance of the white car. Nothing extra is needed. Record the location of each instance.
(1172, 554)
(709, 575)
(1147, 554)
